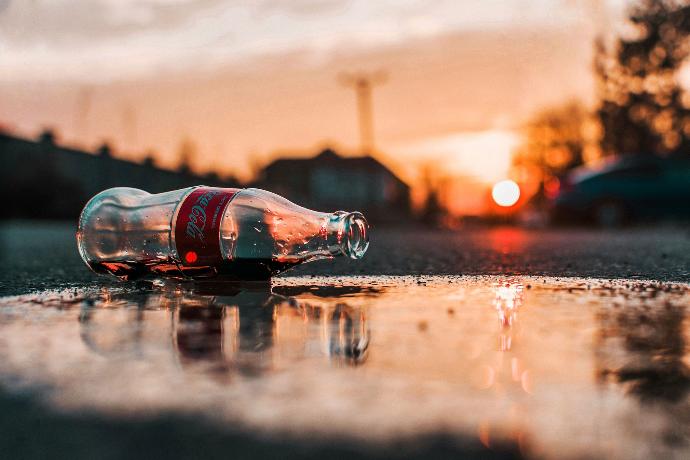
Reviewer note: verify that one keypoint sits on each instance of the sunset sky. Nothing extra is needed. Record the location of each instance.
(248, 80)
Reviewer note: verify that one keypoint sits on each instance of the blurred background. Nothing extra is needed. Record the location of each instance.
(446, 113)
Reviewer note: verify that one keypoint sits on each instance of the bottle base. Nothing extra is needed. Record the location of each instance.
(234, 270)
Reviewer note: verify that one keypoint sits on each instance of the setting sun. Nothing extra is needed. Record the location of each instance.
(506, 193)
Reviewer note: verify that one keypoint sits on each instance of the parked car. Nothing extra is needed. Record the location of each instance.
(625, 189)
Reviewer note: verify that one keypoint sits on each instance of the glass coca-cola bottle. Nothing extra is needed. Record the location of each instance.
(201, 232)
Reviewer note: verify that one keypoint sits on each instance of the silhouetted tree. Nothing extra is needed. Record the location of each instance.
(105, 150)
(643, 108)
(554, 141)
(212, 177)
(47, 137)
(433, 211)
(149, 160)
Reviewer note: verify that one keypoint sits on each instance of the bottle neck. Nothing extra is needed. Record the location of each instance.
(259, 225)
(347, 234)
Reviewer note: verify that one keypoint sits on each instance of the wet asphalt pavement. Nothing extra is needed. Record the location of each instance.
(44, 256)
(480, 343)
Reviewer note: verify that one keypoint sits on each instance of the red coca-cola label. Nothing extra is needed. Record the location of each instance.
(197, 228)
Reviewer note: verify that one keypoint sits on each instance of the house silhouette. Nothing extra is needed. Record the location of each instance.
(55, 181)
(330, 182)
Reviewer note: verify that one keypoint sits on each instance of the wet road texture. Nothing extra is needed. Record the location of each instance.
(499, 343)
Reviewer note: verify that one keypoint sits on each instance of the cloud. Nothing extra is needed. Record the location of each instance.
(105, 40)
(70, 22)
(302, 7)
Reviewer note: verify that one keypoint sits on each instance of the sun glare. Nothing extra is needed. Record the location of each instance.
(506, 193)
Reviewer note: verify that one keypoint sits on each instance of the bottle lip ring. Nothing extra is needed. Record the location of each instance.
(355, 239)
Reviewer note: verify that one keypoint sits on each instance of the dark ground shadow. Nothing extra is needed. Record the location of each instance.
(29, 431)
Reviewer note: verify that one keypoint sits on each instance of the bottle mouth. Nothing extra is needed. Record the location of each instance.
(355, 236)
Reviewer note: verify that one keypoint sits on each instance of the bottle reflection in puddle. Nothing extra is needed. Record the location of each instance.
(340, 332)
(349, 338)
(206, 333)
(112, 332)
(247, 331)
(207, 330)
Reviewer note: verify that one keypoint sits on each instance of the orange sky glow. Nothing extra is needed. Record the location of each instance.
(248, 81)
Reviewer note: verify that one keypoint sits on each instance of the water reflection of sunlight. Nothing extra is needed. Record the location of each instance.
(507, 301)
(506, 372)
(507, 240)
(508, 298)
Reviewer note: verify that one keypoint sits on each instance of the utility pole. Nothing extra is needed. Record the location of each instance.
(82, 112)
(129, 126)
(363, 84)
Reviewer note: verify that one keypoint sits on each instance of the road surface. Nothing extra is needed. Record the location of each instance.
(42, 256)
(480, 343)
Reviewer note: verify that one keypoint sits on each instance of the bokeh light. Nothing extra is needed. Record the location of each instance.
(506, 193)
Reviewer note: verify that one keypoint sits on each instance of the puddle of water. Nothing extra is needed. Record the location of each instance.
(558, 368)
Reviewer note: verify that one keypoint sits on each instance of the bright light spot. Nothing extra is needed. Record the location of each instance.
(506, 193)
(190, 257)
